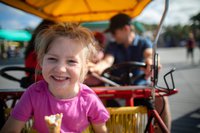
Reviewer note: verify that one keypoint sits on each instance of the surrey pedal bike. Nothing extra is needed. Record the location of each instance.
(123, 119)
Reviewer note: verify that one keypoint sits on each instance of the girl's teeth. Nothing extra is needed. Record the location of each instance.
(60, 78)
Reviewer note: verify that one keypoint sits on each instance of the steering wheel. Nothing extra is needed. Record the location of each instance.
(24, 81)
(126, 73)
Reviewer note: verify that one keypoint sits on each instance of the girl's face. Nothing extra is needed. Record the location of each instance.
(61, 66)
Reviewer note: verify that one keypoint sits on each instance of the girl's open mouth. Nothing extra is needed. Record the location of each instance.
(59, 78)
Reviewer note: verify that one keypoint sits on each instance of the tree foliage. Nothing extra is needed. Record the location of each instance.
(173, 35)
(195, 27)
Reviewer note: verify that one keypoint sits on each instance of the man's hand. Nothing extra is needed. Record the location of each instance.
(99, 67)
(149, 63)
(95, 68)
(147, 71)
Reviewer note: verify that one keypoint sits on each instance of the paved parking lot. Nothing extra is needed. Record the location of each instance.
(185, 106)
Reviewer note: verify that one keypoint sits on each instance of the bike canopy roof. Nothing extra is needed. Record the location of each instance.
(79, 10)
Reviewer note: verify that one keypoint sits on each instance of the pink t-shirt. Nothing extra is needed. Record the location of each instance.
(78, 112)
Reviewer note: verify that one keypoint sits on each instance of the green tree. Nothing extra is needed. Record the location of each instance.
(195, 27)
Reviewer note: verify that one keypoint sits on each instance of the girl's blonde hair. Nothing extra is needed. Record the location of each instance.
(72, 31)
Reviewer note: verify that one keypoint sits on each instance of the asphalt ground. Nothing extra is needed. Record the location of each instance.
(184, 106)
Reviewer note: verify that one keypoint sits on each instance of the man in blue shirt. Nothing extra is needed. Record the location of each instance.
(127, 47)
(130, 47)
(140, 50)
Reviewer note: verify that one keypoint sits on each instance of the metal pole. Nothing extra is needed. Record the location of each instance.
(157, 34)
(155, 55)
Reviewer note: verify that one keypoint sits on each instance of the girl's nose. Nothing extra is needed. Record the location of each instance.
(61, 67)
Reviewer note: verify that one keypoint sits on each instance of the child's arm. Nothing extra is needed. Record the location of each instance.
(100, 128)
(13, 126)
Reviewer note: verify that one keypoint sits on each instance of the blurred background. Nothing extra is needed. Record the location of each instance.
(183, 19)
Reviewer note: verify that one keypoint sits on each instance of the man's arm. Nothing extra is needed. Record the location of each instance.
(148, 55)
(105, 63)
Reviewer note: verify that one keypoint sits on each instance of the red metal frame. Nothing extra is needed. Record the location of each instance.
(110, 93)
(130, 95)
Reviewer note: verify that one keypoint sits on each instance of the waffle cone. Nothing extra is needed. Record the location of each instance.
(54, 122)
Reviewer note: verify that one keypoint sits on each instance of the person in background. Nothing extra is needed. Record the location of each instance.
(30, 54)
(63, 51)
(128, 46)
(101, 41)
(190, 45)
(199, 50)
(90, 80)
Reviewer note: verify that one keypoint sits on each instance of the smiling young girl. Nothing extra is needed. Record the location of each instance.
(63, 52)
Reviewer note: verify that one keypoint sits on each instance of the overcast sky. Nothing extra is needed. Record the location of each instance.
(179, 13)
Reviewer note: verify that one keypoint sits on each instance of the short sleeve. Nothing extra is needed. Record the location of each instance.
(148, 43)
(97, 111)
(23, 109)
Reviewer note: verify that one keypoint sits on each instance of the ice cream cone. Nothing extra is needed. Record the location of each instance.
(54, 122)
